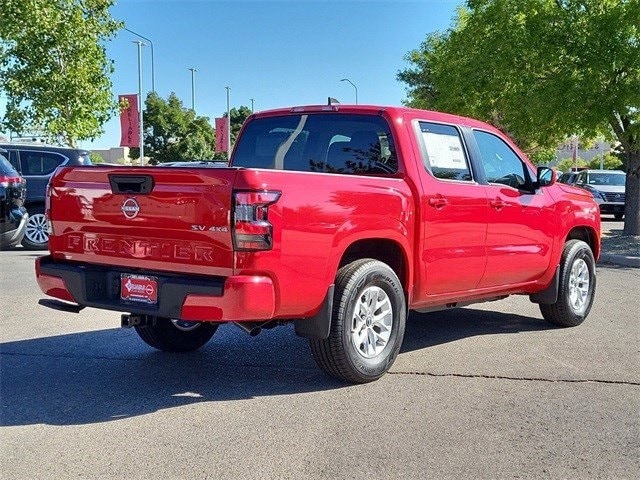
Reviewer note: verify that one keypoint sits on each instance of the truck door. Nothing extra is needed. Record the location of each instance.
(454, 212)
(520, 223)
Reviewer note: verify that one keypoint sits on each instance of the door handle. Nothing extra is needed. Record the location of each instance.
(438, 202)
(497, 203)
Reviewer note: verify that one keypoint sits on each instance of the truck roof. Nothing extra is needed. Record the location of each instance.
(393, 111)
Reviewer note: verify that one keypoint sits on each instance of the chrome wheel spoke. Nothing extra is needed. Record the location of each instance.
(579, 286)
(372, 322)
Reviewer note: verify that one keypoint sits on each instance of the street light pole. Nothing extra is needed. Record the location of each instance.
(141, 128)
(153, 68)
(228, 124)
(252, 100)
(353, 85)
(193, 89)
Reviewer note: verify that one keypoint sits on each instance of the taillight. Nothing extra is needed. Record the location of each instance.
(7, 181)
(252, 230)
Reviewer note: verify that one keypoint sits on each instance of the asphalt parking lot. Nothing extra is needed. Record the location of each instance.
(489, 391)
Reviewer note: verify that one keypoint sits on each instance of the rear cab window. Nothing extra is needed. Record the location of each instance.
(318, 142)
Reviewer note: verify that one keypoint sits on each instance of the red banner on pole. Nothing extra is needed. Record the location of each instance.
(129, 123)
(222, 134)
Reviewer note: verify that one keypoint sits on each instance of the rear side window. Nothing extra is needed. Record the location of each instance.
(39, 163)
(330, 143)
(443, 153)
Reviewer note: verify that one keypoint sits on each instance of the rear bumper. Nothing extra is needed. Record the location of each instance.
(195, 298)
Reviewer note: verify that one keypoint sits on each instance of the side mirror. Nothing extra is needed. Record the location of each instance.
(545, 177)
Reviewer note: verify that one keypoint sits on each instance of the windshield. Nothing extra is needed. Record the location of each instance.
(330, 143)
(86, 159)
(616, 179)
(6, 168)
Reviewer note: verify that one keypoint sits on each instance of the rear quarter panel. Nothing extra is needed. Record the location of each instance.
(317, 217)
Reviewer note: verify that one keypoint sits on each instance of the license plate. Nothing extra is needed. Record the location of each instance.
(139, 288)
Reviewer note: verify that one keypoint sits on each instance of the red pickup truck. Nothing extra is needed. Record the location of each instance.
(337, 218)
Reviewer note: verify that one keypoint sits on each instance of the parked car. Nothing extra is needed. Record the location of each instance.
(13, 215)
(607, 188)
(36, 163)
(568, 178)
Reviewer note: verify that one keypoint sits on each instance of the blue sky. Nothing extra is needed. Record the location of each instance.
(280, 53)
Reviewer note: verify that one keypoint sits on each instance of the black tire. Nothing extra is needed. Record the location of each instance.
(618, 216)
(338, 355)
(574, 296)
(36, 236)
(168, 336)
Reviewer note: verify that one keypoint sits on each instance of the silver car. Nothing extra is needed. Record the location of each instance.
(607, 188)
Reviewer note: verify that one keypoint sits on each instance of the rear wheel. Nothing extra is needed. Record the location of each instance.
(367, 324)
(577, 286)
(36, 236)
(172, 335)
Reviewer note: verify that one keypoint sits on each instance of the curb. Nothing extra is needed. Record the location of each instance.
(622, 260)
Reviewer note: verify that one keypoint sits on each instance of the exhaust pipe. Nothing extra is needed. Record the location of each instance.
(252, 328)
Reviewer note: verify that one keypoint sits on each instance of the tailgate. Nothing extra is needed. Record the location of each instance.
(153, 218)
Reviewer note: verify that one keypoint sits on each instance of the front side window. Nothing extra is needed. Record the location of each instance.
(330, 143)
(501, 164)
(444, 155)
(39, 163)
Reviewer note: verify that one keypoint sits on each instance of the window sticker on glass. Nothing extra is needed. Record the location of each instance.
(444, 151)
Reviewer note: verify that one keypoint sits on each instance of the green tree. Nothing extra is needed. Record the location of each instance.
(54, 69)
(238, 117)
(609, 162)
(566, 164)
(173, 132)
(540, 70)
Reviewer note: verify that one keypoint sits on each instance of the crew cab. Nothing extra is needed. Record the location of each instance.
(340, 219)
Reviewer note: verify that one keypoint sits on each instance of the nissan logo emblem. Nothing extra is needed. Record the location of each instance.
(130, 208)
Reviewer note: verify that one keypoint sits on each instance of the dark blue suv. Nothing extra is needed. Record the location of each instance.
(36, 163)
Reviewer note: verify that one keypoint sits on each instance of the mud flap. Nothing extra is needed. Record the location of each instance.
(549, 295)
(318, 326)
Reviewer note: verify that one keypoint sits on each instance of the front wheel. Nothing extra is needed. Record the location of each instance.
(172, 335)
(577, 286)
(367, 323)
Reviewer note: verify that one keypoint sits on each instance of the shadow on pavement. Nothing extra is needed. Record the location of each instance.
(106, 375)
(436, 328)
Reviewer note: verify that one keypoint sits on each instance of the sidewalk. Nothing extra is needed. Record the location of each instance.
(620, 250)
